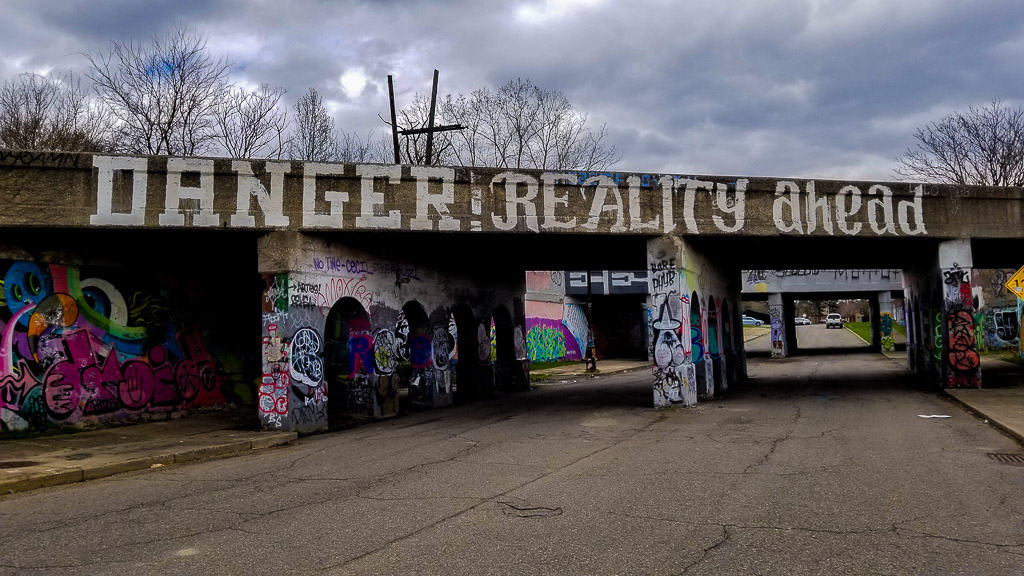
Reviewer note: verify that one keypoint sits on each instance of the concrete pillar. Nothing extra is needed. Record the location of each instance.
(960, 361)
(886, 319)
(788, 314)
(681, 281)
(776, 312)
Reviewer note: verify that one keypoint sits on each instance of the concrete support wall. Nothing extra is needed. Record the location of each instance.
(344, 328)
(777, 318)
(693, 324)
(942, 337)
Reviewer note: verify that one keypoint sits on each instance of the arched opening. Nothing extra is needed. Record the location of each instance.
(728, 346)
(508, 372)
(698, 352)
(415, 369)
(714, 348)
(466, 345)
(349, 352)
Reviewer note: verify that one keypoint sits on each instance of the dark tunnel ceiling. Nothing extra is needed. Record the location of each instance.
(549, 251)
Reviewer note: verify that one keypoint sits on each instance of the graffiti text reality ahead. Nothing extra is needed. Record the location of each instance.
(202, 192)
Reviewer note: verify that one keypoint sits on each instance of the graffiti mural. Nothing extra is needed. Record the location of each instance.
(82, 349)
(778, 331)
(962, 359)
(885, 328)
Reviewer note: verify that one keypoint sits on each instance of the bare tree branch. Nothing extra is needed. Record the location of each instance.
(983, 146)
(163, 93)
(51, 113)
(518, 126)
(251, 124)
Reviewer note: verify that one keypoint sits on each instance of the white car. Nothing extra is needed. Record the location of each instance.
(833, 321)
(801, 321)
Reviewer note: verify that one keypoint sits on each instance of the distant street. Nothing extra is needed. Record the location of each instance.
(818, 465)
(812, 336)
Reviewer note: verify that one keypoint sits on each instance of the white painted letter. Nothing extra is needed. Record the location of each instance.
(597, 207)
(842, 213)
(689, 199)
(513, 201)
(813, 204)
(335, 200)
(105, 215)
(371, 202)
(271, 204)
(668, 190)
(738, 208)
(906, 206)
(636, 221)
(792, 200)
(552, 200)
(172, 215)
(885, 203)
(440, 202)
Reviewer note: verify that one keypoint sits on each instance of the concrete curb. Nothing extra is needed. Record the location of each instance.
(12, 481)
(993, 421)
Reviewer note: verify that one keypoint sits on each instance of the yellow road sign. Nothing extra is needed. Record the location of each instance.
(1016, 283)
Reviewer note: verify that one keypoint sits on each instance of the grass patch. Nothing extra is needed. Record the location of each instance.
(1005, 355)
(862, 329)
(555, 364)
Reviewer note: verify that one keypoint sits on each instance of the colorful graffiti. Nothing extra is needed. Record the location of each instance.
(75, 351)
(885, 328)
(778, 331)
(999, 328)
(545, 343)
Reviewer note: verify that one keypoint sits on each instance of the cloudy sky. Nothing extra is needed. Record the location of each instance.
(802, 88)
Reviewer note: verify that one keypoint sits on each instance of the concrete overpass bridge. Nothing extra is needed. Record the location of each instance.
(131, 284)
(882, 288)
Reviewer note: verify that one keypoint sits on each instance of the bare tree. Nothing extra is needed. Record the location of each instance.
(983, 146)
(518, 126)
(315, 137)
(251, 124)
(51, 113)
(163, 93)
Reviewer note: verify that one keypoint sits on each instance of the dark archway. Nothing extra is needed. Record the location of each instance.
(348, 349)
(415, 370)
(508, 373)
(466, 387)
(698, 354)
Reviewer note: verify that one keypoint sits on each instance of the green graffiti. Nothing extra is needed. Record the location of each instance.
(937, 349)
(545, 344)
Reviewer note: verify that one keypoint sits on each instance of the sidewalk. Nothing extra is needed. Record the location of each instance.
(577, 370)
(1003, 407)
(30, 463)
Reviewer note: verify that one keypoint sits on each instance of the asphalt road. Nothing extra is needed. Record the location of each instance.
(812, 337)
(817, 466)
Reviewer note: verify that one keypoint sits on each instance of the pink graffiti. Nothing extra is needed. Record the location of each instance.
(92, 380)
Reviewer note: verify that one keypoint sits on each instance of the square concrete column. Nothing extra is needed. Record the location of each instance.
(776, 312)
(687, 293)
(886, 319)
(961, 363)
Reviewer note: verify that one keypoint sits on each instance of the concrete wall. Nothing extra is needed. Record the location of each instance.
(805, 281)
(998, 314)
(84, 190)
(345, 327)
(556, 327)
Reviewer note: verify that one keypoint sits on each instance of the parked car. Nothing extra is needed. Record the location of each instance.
(833, 321)
(801, 321)
(751, 321)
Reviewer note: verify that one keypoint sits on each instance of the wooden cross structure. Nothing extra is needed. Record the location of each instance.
(429, 130)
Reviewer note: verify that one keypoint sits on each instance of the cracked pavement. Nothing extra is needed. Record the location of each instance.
(816, 466)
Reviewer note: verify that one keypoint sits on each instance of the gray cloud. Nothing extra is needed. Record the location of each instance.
(822, 88)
